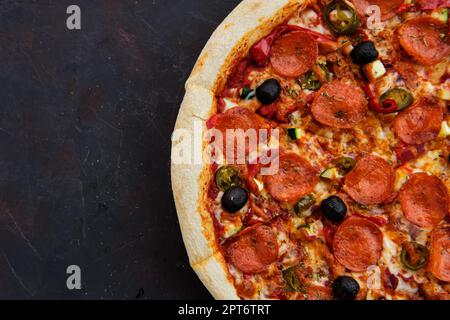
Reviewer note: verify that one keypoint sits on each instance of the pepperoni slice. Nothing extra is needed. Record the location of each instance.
(237, 118)
(432, 4)
(295, 178)
(253, 250)
(357, 244)
(420, 123)
(388, 8)
(371, 181)
(439, 264)
(424, 200)
(340, 105)
(294, 54)
(422, 39)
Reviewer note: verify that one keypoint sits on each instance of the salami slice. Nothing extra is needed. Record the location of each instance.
(420, 123)
(424, 200)
(340, 105)
(357, 244)
(294, 54)
(439, 264)
(295, 178)
(253, 249)
(422, 39)
(371, 181)
(388, 8)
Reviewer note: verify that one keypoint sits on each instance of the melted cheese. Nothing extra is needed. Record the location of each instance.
(320, 146)
(308, 19)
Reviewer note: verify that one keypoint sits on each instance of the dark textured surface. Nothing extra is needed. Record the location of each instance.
(85, 124)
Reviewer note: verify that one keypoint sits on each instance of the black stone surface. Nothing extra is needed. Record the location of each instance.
(85, 124)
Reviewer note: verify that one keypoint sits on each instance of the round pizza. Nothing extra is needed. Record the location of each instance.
(310, 158)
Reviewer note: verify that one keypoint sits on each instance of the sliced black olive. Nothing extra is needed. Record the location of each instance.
(364, 53)
(345, 288)
(268, 92)
(234, 199)
(227, 177)
(334, 209)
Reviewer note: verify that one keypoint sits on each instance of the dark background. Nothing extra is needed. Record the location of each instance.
(85, 124)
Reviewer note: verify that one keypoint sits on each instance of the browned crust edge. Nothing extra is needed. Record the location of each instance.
(248, 22)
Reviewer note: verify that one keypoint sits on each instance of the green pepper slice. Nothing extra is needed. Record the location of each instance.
(304, 204)
(341, 17)
(292, 281)
(420, 260)
(227, 177)
(401, 97)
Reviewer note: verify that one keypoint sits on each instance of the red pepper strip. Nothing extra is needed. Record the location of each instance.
(390, 280)
(253, 170)
(373, 101)
(389, 106)
(379, 221)
(269, 111)
(404, 8)
(329, 231)
(240, 77)
(260, 51)
(406, 279)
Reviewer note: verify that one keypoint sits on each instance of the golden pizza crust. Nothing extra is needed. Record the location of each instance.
(249, 21)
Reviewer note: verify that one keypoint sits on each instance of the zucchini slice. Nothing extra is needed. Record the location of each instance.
(295, 133)
(331, 174)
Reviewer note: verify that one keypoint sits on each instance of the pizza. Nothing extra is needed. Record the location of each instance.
(354, 96)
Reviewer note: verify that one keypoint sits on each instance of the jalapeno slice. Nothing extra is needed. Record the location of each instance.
(227, 177)
(396, 99)
(304, 204)
(292, 281)
(414, 256)
(345, 164)
(341, 17)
